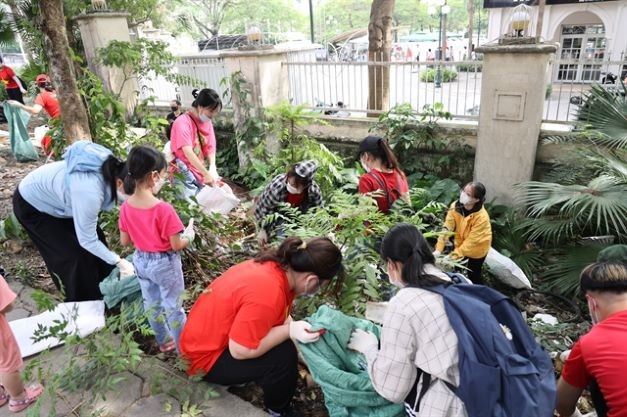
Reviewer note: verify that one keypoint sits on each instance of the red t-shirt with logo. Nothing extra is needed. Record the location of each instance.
(394, 182)
(295, 200)
(242, 304)
(48, 100)
(602, 355)
(6, 76)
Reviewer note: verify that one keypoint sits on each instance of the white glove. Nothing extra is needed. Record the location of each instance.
(189, 232)
(437, 253)
(214, 173)
(23, 91)
(262, 237)
(299, 330)
(362, 341)
(126, 268)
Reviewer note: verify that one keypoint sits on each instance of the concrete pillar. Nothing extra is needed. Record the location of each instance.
(513, 85)
(97, 30)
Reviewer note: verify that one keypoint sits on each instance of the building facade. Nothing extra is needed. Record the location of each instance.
(592, 35)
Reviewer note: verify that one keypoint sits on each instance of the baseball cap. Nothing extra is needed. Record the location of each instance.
(42, 78)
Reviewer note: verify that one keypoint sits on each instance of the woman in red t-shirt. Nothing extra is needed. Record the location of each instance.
(12, 83)
(240, 329)
(383, 173)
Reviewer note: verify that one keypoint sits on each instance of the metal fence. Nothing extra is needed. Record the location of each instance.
(572, 79)
(200, 72)
(322, 84)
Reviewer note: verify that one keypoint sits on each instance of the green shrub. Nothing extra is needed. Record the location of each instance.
(428, 75)
(469, 67)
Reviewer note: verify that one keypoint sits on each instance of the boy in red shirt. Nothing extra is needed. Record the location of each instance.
(11, 83)
(600, 357)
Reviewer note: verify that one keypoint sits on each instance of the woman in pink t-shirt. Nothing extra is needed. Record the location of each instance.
(157, 233)
(192, 141)
(12, 388)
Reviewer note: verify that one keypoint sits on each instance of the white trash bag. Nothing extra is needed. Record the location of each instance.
(218, 198)
(506, 270)
(167, 152)
(39, 134)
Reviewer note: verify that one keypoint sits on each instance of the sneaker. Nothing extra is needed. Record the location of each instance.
(168, 346)
(32, 393)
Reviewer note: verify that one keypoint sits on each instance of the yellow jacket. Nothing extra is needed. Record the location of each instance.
(473, 233)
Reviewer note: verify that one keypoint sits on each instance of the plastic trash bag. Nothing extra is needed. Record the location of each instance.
(115, 290)
(220, 199)
(506, 270)
(167, 153)
(40, 132)
(21, 146)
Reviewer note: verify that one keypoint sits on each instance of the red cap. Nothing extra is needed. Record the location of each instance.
(42, 78)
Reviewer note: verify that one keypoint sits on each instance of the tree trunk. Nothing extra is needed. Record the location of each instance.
(61, 71)
(470, 7)
(379, 48)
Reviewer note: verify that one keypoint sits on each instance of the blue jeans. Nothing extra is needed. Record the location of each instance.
(160, 276)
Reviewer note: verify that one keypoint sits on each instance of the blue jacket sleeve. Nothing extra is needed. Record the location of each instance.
(86, 190)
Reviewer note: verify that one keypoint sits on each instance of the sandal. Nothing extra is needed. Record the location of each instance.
(32, 393)
(4, 397)
(168, 346)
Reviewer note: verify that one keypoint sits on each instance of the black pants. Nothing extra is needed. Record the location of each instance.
(275, 372)
(74, 270)
(15, 94)
(474, 265)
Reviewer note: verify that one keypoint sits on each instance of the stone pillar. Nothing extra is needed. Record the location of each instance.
(97, 30)
(513, 85)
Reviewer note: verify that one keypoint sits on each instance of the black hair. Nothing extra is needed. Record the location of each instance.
(113, 169)
(478, 190)
(380, 149)
(207, 97)
(178, 102)
(405, 244)
(318, 255)
(142, 161)
(47, 85)
(610, 276)
(291, 173)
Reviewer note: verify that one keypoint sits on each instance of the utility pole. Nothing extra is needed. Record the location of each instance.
(311, 20)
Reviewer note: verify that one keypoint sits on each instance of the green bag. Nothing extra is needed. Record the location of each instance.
(341, 373)
(21, 146)
(115, 290)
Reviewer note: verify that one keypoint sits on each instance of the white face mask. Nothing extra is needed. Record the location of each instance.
(292, 190)
(591, 309)
(465, 198)
(203, 117)
(364, 166)
(398, 283)
(306, 293)
(121, 196)
(158, 185)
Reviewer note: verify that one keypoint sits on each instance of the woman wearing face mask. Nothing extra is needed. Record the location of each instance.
(192, 141)
(470, 222)
(58, 205)
(296, 188)
(416, 332)
(240, 330)
(383, 174)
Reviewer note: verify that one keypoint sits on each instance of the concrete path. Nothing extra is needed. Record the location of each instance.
(154, 389)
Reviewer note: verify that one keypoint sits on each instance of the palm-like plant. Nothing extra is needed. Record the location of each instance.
(7, 35)
(559, 216)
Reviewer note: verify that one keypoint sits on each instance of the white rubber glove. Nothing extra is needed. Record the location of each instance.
(126, 268)
(362, 341)
(262, 237)
(23, 91)
(437, 253)
(189, 232)
(214, 173)
(299, 331)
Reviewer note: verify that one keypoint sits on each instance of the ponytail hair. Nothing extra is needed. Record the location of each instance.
(113, 169)
(405, 244)
(319, 256)
(206, 97)
(142, 161)
(380, 149)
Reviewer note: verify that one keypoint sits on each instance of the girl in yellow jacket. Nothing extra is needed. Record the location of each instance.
(473, 234)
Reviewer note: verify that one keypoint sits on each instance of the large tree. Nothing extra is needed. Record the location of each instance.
(61, 70)
(379, 48)
(205, 16)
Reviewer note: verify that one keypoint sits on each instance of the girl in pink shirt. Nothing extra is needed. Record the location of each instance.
(12, 388)
(157, 233)
(192, 140)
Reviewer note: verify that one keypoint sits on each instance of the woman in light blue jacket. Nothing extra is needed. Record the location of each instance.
(58, 204)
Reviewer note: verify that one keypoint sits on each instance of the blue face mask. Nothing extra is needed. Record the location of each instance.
(203, 118)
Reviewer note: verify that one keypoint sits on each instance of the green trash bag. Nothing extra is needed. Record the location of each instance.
(115, 290)
(341, 373)
(21, 146)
